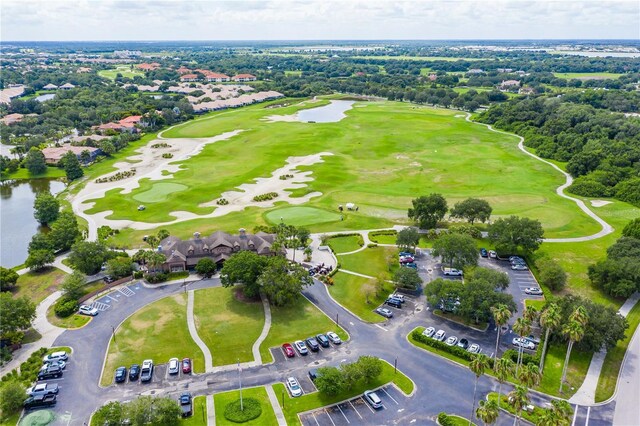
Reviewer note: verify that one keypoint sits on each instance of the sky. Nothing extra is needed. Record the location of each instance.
(53, 20)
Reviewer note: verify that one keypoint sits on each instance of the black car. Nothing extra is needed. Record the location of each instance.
(121, 374)
(109, 279)
(313, 374)
(134, 372)
(484, 252)
(53, 371)
(312, 343)
(323, 340)
(463, 343)
(394, 302)
(186, 405)
(40, 401)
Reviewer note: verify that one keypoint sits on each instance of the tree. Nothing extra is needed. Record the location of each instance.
(40, 241)
(530, 375)
(206, 267)
(574, 330)
(64, 231)
(147, 410)
(488, 411)
(504, 368)
(551, 274)
(34, 161)
(499, 280)
(88, 256)
(408, 239)
(22, 310)
(632, 229)
(110, 414)
(244, 268)
(407, 278)
(370, 367)
(472, 209)
(71, 165)
(303, 234)
(518, 399)
(330, 381)
(46, 208)
(501, 315)
(12, 396)
(38, 259)
(521, 327)
(162, 234)
(428, 210)
(73, 285)
(478, 365)
(155, 259)
(8, 278)
(282, 282)
(119, 267)
(456, 250)
(351, 374)
(514, 233)
(549, 320)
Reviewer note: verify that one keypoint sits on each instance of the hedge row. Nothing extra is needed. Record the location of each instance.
(454, 350)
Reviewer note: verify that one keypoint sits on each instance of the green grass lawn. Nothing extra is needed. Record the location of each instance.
(458, 421)
(199, 417)
(373, 261)
(587, 75)
(221, 400)
(50, 173)
(159, 192)
(125, 70)
(351, 292)
(537, 304)
(300, 216)
(310, 401)
(614, 358)
(345, 244)
(384, 238)
(296, 321)
(229, 327)
(74, 321)
(157, 331)
(38, 285)
(292, 73)
(532, 416)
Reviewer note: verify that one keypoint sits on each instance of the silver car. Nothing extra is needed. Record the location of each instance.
(429, 331)
(294, 387)
(174, 366)
(440, 335)
(452, 340)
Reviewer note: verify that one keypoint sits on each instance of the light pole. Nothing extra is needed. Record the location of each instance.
(395, 366)
(337, 322)
(113, 333)
(240, 381)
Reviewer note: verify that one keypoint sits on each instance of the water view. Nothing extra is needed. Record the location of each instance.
(45, 97)
(331, 113)
(17, 224)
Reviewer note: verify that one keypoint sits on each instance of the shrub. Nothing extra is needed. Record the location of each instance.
(65, 307)
(167, 155)
(252, 410)
(266, 197)
(526, 357)
(589, 188)
(445, 420)
(466, 228)
(160, 145)
(156, 278)
(222, 202)
(372, 245)
(137, 275)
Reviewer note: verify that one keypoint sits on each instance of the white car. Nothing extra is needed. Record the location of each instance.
(519, 267)
(524, 343)
(43, 389)
(60, 363)
(335, 339)
(429, 331)
(452, 272)
(452, 340)
(300, 347)
(400, 297)
(440, 335)
(294, 387)
(493, 254)
(56, 356)
(87, 310)
(536, 291)
(474, 349)
(174, 366)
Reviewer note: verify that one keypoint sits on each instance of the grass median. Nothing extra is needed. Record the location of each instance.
(377, 262)
(357, 294)
(345, 244)
(267, 417)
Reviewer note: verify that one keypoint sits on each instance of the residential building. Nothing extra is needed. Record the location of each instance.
(11, 119)
(243, 77)
(53, 155)
(509, 85)
(67, 86)
(50, 87)
(189, 77)
(148, 67)
(214, 77)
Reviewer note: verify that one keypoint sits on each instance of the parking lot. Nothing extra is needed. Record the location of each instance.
(114, 297)
(357, 411)
(411, 306)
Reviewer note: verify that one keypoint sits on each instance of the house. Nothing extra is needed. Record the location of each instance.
(53, 155)
(130, 121)
(184, 254)
(475, 71)
(509, 84)
(148, 67)
(216, 77)
(183, 70)
(189, 77)
(505, 70)
(11, 119)
(67, 86)
(244, 77)
(527, 91)
(50, 87)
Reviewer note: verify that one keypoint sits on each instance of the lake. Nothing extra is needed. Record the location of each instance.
(45, 97)
(17, 224)
(331, 113)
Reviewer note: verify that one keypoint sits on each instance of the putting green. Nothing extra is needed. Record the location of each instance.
(301, 216)
(159, 192)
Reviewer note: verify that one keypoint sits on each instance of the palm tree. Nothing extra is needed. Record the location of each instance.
(522, 327)
(550, 320)
(503, 367)
(574, 330)
(477, 365)
(531, 314)
(547, 418)
(518, 398)
(501, 315)
(530, 375)
(488, 411)
(580, 315)
(558, 415)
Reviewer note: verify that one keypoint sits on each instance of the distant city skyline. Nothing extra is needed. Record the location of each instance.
(96, 20)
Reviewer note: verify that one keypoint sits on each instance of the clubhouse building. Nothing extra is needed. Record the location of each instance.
(184, 254)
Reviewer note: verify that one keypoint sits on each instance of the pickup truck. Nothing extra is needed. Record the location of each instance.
(50, 372)
(40, 401)
(186, 405)
(43, 389)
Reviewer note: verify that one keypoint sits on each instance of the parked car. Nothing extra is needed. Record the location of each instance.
(59, 363)
(483, 252)
(373, 399)
(406, 259)
(312, 344)
(440, 335)
(474, 349)
(405, 253)
(301, 347)
(452, 340)
(410, 265)
(335, 339)
(288, 351)
(174, 366)
(398, 296)
(519, 267)
(146, 372)
(40, 401)
(394, 302)
(294, 387)
(186, 365)
(385, 312)
(463, 343)
(109, 279)
(87, 310)
(493, 254)
(322, 339)
(134, 372)
(452, 272)
(429, 331)
(52, 371)
(43, 389)
(313, 374)
(186, 405)
(534, 290)
(524, 343)
(533, 339)
(512, 258)
(121, 374)
(55, 356)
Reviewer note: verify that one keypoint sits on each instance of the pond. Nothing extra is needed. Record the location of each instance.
(45, 97)
(17, 224)
(331, 113)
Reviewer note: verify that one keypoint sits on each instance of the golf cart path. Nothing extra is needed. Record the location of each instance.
(606, 228)
(257, 358)
(208, 358)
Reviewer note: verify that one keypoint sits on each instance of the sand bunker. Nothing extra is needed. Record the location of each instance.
(599, 203)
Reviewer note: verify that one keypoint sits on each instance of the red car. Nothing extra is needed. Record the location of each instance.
(186, 366)
(288, 350)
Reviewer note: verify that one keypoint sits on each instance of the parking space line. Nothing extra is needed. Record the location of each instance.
(586, 423)
(389, 395)
(111, 298)
(329, 415)
(369, 407)
(100, 306)
(381, 327)
(575, 415)
(343, 415)
(354, 409)
(126, 291)
(314, 418)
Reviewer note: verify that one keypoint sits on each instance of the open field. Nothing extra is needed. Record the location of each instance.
(345, 244)
(50, 173)
(227, 326)
(417, 58)
(296, 321)
(38, 285)
(221, 400)
(125, 70)
(373, 261)
(301, 216)
(351, 292)
(159, 332)
(587, 75)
